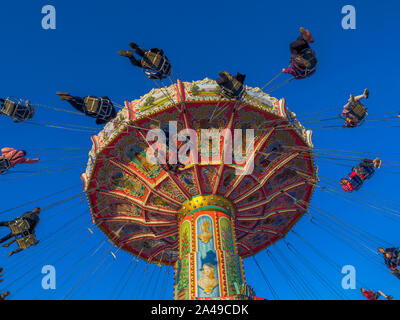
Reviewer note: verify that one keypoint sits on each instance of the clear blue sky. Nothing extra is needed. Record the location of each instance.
(201, 39)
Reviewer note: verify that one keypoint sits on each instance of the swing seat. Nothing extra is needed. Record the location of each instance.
(19, 226)
(358, 111)
(232, 93)
(232, 90)
(15, 109)
(4, 165)
(26, 241)
(367, 172)
(304, 64)
(356, 184)
(156, 66)
(100, 107)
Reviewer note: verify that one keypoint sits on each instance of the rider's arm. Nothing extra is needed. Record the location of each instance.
(27, 160)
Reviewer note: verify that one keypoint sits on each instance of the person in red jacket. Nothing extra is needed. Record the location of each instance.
(16, 157)
(370, 295)
(353, 183)
(354, 174)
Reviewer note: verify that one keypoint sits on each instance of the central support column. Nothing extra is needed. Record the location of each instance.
(209, 266)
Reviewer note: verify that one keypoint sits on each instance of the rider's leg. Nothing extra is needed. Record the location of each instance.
(299, 45)
(135, 62)
(129, 54)
(361, 96)
(138, 50)
(7, 237)
(77, 103)
(367, 163)
(14, 252)
(4, 224)
(377, 163)
(306, 35)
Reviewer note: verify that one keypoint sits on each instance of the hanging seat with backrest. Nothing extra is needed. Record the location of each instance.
(101, 108)
(26, 240)
(304, 64)
(355, 183)
(232, 89)
(156, 65)
(16, 109)
(4, 165)
(366, 172)
(19, 226)
(358, 112)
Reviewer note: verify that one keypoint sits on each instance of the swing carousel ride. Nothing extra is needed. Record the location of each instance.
(203, 214)
(204, 218)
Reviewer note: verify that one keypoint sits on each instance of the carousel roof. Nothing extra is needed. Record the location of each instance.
(136, 203)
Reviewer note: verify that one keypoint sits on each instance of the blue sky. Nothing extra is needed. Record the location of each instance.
(201, 39)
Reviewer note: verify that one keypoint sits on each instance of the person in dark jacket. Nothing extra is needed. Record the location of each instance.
(107, 113)
(297, 48)
(232, 86)
(32, 218)
(366, 167)
(16, 110)
(153, 59)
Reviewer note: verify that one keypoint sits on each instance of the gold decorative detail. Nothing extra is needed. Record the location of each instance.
(206, 200)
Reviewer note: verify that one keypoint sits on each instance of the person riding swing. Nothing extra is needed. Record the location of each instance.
(231, 86)
(22, 230)
(303, 62)
(102, 109)
(354, 112)
(11, 157)
(16, 110)
(371, 295)
(154, 63)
